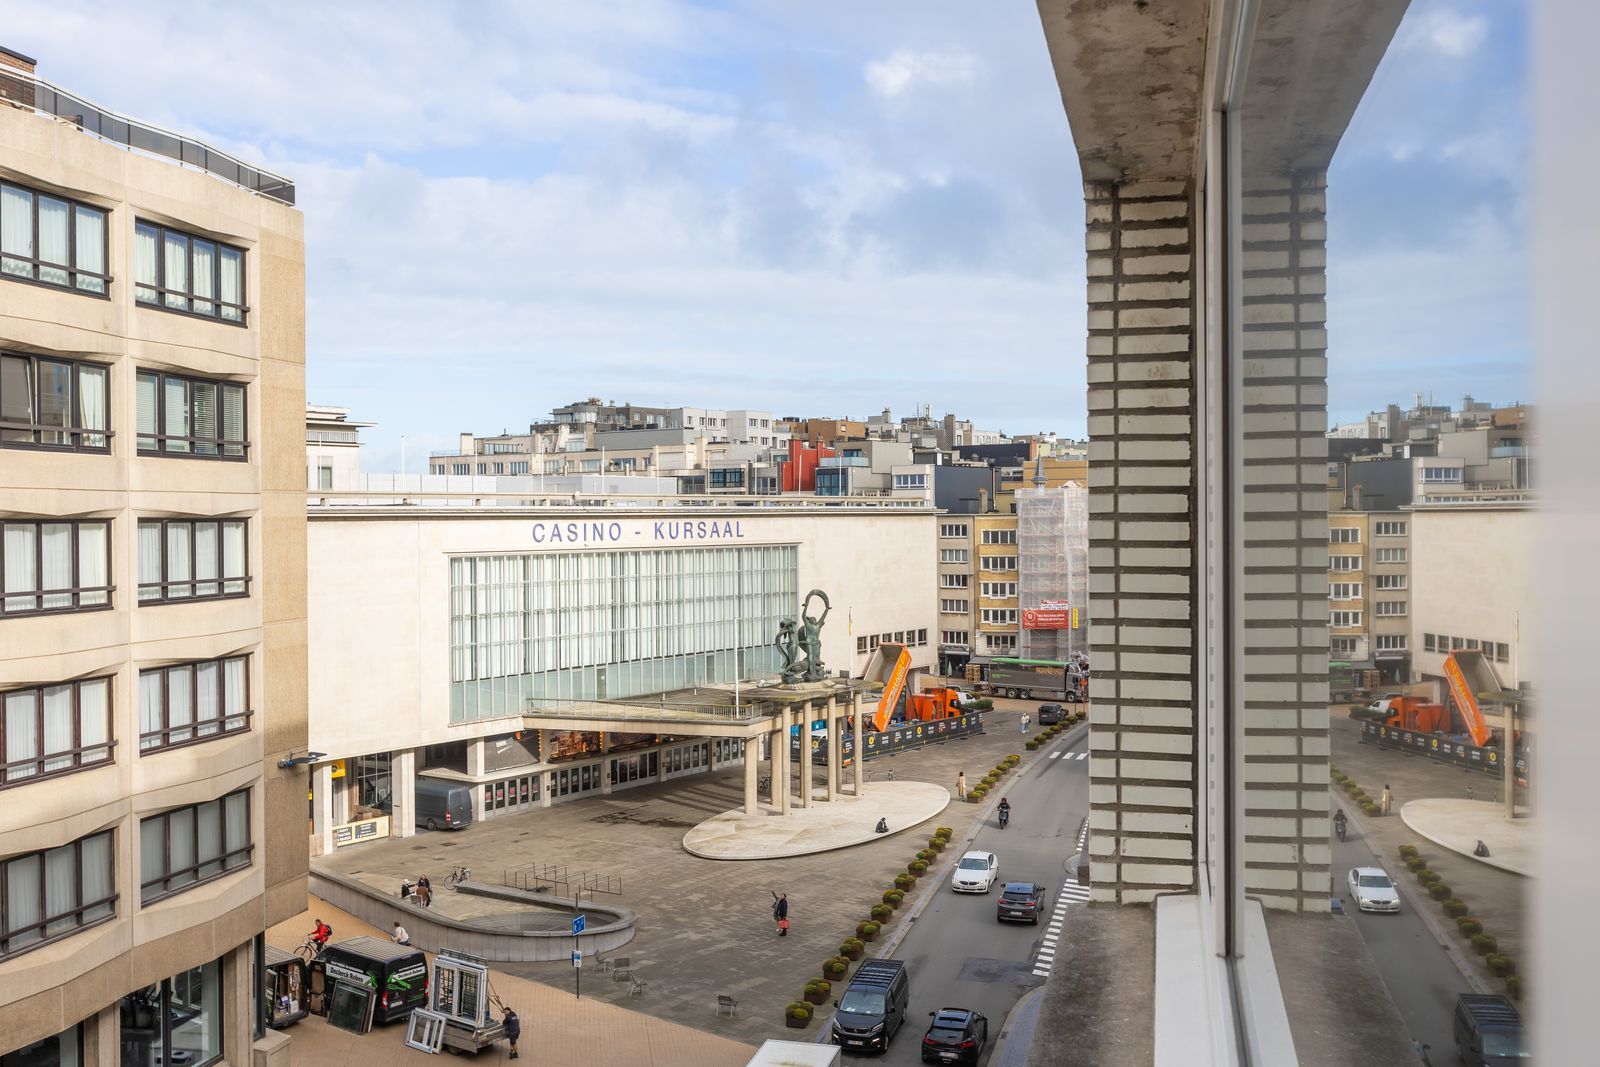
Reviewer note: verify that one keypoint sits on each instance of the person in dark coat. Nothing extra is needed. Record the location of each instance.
(513, 1027)
(780, 913)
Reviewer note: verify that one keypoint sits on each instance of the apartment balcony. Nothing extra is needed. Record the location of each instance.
(844, 461)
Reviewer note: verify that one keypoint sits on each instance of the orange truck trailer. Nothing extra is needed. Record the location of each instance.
(938, 703)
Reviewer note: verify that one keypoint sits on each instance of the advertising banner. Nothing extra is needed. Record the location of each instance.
(1046, 618)
(1443, 748)
(899, 737)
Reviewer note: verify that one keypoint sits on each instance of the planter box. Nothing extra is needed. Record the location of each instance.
(797, 1024)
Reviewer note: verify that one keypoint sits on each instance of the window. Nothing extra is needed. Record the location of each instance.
(58, 1050)
(954, 607)
(1391, 642)
(499, 468)
(48, 895)
(999, 537)
(181, 272)
(192, 559)
(519, 466)
(324, 477)
(1344, 563)
(1344, 535)
(190, 417)
(1343, 620)
(52, 240)
(460, 468)
(727, 478)
(190, 702)
(999, 616)
(1502, 653)
(1391, 529)
(954, 581)
(54, 729)
(911, 481)
(952, 555)
(1344, 590)
(52, 403)
(1001, 642)
(1457, 642)
(182, 848)
(178, 1020)
(1472, 643)
(1341, 646)
(861, 646)
(55, 566)
(922, 637)
(1389, 581)
(1390, 607)
(483, 468)
(998, 589)
(952, 529)
(1428, 643)
(1391, 555)
(953, 637)
(999, 563)
(1441, 474)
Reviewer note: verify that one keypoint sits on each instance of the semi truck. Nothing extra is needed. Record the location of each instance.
(1028, 679)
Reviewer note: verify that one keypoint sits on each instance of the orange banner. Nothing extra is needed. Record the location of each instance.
(891, 691)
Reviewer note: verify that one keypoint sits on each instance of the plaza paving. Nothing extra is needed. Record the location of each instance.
(705, 927)
(823, 827)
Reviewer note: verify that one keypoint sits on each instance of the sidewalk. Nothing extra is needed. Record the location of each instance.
(1497, 897)
(557, 1029)
(704, 926)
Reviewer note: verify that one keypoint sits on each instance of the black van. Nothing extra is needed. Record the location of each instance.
(873, 1008)
(443, 805)
(1488, 1031)
(397, 973)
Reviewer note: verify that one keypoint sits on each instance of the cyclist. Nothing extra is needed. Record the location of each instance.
(321, 934)
(1339, 823)
(1005, 812)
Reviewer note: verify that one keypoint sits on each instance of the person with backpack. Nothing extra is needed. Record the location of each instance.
(513, 1027)
(322, 934)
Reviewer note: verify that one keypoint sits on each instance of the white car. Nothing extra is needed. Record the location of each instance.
(975, 873)
(1373, 890)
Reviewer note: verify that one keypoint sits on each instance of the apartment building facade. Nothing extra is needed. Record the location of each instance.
(153, 618)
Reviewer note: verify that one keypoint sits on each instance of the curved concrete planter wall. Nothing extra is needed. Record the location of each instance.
(608, 926)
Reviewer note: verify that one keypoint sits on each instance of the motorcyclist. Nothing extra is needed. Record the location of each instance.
(1005, 811)
(1339, 823)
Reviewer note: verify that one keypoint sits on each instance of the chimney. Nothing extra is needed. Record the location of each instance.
(1038, 473)
(12, 86)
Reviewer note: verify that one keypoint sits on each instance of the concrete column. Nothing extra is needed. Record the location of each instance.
(858, 764)
(102, 1044)
(403, 786)
(605, 763)
(834, 736)
(546, 780)
(322, 805)
(780, 762)
(475, 756)
(752, 774)
(239, 989)
(807, 770)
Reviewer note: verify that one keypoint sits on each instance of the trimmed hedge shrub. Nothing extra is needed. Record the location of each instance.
(1514, 986)
(1468, 926)
(917, 869)
(1032, 745)
(944, 832)
(1425, 876)
(835, 967)
(1483, 944)
(798, 1011)
(936, 846)
(1455, 907)
(1439, 891)
(1415, 864)
(904, 882)
(1369, 808)
(975, 795)
(881, 913)
(1501, 966)
(894, 897)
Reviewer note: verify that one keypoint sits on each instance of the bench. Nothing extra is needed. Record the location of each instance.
(727, 1004)
(621, 968)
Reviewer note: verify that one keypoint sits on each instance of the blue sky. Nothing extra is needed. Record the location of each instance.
(825, 208)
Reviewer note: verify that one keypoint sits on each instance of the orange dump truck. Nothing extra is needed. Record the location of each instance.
(1415, 714)
(936, 704)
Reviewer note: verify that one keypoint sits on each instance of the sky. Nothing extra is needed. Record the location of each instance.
(825, 208)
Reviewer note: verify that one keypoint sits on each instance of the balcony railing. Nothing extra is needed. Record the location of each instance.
(35, 94)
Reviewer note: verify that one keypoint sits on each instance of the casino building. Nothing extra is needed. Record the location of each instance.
(540, 650)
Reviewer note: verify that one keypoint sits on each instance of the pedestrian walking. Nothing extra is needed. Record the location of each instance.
(1024, 722)
(424, 891)
(780, 913)
(513, 1027)
(961, 785)
(1385, 800)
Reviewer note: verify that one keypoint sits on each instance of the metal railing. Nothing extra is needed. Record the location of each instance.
(639, 711)
(33, 93)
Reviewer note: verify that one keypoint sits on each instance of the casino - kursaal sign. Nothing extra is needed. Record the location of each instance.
(679, 530)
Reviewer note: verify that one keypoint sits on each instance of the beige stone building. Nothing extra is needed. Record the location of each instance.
(153, 615)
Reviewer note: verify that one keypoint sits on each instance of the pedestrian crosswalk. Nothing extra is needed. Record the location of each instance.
(1070, 755)
(1071, 893)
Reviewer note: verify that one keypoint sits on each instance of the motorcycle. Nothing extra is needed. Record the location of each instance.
(1005, 817)
(1339, 827)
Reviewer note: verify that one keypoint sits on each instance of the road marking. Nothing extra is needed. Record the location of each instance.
(1081, 755)
(1041, 974)
(1053, 755)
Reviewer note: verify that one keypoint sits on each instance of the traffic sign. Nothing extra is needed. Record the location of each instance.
(577, 959)
(577, 925)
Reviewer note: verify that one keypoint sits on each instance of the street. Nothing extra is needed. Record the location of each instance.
(958, 955)
(1422, 980)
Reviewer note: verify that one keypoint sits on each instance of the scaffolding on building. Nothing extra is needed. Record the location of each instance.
(1052, 570)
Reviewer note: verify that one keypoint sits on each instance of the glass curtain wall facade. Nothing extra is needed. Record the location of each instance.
(609, 625)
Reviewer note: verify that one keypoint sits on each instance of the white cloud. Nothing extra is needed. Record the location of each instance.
(1446, 32)
(904, 70)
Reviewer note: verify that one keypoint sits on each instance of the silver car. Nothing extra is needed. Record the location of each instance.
(975, 873)
(1373, 890)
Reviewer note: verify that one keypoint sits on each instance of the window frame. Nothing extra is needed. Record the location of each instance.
(163, 291)
(195, 723)
(1396, 556)
(161, 437)
(76, 752)
(953, 530)
(75, 590)
(247, 850)
(74, 272)
(1391, 531)
(1354, 622)
(1396, 608)
(955, 581)
(45, 918)
(998, 563)
(1391, 643)
(1353, 538)
(1334, 564)
(221, 580)
(75, 431)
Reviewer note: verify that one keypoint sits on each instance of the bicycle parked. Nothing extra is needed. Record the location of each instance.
(457, 876)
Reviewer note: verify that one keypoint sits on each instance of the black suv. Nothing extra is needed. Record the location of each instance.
(956, 1035)
(1020, 902)
(1050, 714)
(873, 1008)
(1488, 1031)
